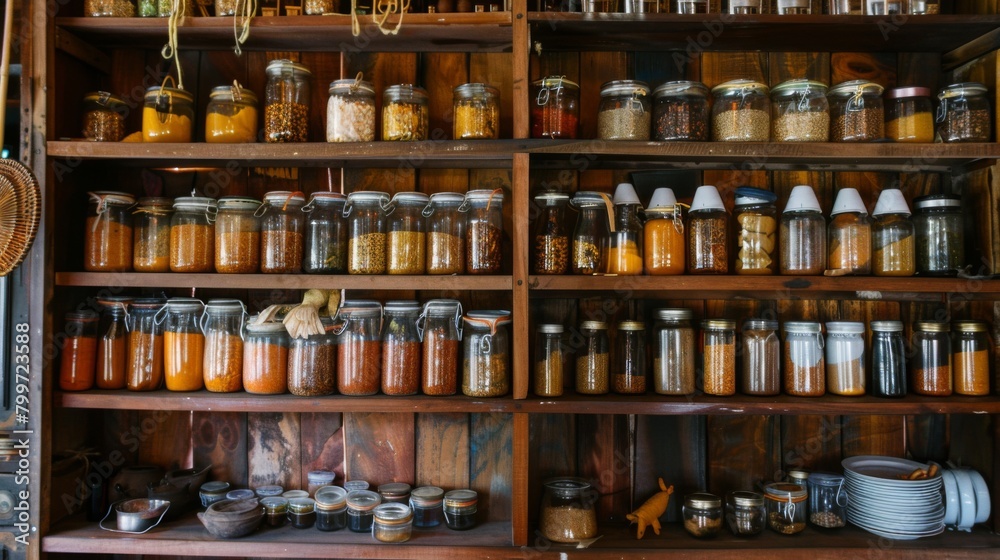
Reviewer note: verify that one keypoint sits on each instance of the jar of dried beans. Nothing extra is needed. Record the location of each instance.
(477, 112)
(702, 513)
(800, 112)
(893, 247)
(445, 233)
(628, 363)
(970, 362)
(708, 233)
(755, 223)
(366, 225)
(265, 359)
(718, 352)
(326, 234)
(741, 112)
(192, 235)
(592, 361)
(407, 239)
(107, 236)
(286, 109)
(940, 239)
(145, 346)
(963, 113)
(931, 364)
(103, 117)
(556, 110)
(888, 362)
(673, 352)
(401, 348)
(624, 244)
(590, 236)
(663, 235)
(442, 330)
(845, 358)
(551, 240)
(405, 115)
(802, 239)
(827, 500)
(485, 341)
(849, 239)
(231, 115)
(680, 112)
(222, 324)
(359, 356)
(624, 113)
(350, 111)
(183, 344)
(151, 251)
(237, 236)
(805, 364)
(79, 352)
(550, 362)
(484, 231)
(282, 222)
(761, 358)
(856, 112)
(568, 513)
(312, 363)
(909, 115)
(167, 115)
(112, 343)
(786, 507)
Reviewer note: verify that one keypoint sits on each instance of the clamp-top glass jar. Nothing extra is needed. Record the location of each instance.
(237, 236)
(445, 233)
(107, 236)
(151, 252)
(441, 321)
(755, 225)
(568, 514)
(856, 113)
(112, 340)
(407, 238)
(741, 112)
(827, 500)
(79, 352)
(427, 505)
(673, 352)
(331, 508)
(591, 232)
(192, 234)
(663, 235)
(624, 113)
(800, 112)
(909, 115)
(940, 235)
(265, 359)
(405, 115)
(802, 241)
(556, 110)
(361, 510)
(484, 231)
(350, 111)
(231, 115)
(786, 507)
(326, 234)
(282, 222)
(167, 115)
(393, 523)
(963, 113)
(366, 225)
(286, 109)
(460, 507)
(401, 338)
(486, 346)
(183, 344)
(145, 345)
(103, 117)
(312, 363)
(222, 324)
(477, 112)
(551, 240)
(592, 361)
(359, 355)
(680, 112)
(804, 362)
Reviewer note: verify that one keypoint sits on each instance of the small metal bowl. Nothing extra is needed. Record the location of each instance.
(138, 515)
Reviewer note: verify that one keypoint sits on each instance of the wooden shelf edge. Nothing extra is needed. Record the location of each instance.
(283, 281)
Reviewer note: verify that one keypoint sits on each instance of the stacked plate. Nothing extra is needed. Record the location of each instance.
(883, 502)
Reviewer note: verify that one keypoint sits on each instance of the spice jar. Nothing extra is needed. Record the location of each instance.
(319, 479)
(794, 7)
(805, 366)
(745, 513)
(786, 507)
(741, 112)
(591, 232)
(938, 225)
(744, 7)
(849, 235)
(111, 343)
(568, 513)
(702, 514)
(756, 227)
(312, 363)
(893, 246)
(798, 476)
(963, 113)
(265, 359)
(360, 510)
(275, 510)
(556, 110)
(107, 237)
(441, 321)
(689, 7)
(427, 505)
(393, 523)
(549, 361)
(708, 233)
(477, 112)
(302, 512)
(167, 114)
(624, 243)
(108, 8)
(192, 234)
(407, 237)
(460, 507)
(237, 235)
(445, 233)
(761, 358)
(484, 231)
(79, 352)
(486, 347)
(318, 7)
(551, 240)
(624, 113)
(282, 222)
(151, 251)
(325, 234)
(856, 112)
(970, 358)
(183, 344)
(103, 117)
(286, 108)
(350, 111)
(366, 226)
(222, 324)
(231, 115)
(883, 7)
(680, 111)
(628, 365)
(359, 357)
(395, 492)
(827, 500)
(802, 239)
(331, 508)
(405, 114)
(401, 338)
(718, 350)
(145, 345)
(888, 364)
(592, 362)
(673, 352)
(800, 112)
(909, 115)
(845, 358)
(663, 235)
(931, 363)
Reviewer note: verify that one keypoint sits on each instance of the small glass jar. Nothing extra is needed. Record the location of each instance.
(275, 511)
(222, 324)
(794, 7)
(802, 239)
(786, 507)
(971, 358)
(427, 505)
(445, 233)
(104, 117)
(460, 507)
(689, 6)
(145, 345)
(909, 115)
(963, 113)
(624, 245)
(183, 344)
(718, 350)
(800, 112)
(625, 111)
(318, 7)
(192, 234)
(702, 515)
(352, 485)
(366, 226)
(673, 352)
(708, 234)
(215, 491)
(350, 111)
(294, 494)
(393, 523)
(241, 494)
(556, 110)
(680, 111)
(282, 223)
(884, 7)
(893, 245)
(407, 237)
(805, 365)
(268, 491)
(486, 346)
(265, 359)
(745, 513)
(231, 115)
(108, 8)
(401, 339)
(755, 223)
(744, 7)
(591, 232)
(167, 114)
(550, 362)
(302, 512)
(79, 352)
(849, 236)
(568, 514)
(551, 239)
(761, 358)
(827, 500)
(741, 112)
(111, 343)
(931, 364)
(484, 231)
(798, 476)
(405, 114)
(663, 241)
(845, 358)
(325, 234)
(107, 236)
(151, 218)
(888, 363)
(938, 225)
(477, 112)
(628, 366)
(592, 361)
(441, 320)
(395, 492)
(237, 236)
(312, 364)
(361, 510)
(331, 508)
(359, 355)
(286, 107)
(856, 113)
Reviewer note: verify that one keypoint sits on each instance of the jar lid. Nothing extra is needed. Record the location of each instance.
(678, 314)
(184, 305)
(447, 198)
(331, 497)
(274, 504)
(411, 199)
(240, 494)
(937, 201)
(931, 326)
(394, 489)
(393, 514)
(594, 325)
(215, 487)
(277, 66)
(114, 302)
(739, 87)
(443, 307)
(491, 319)
(224, 306)
(427, 496)
(199, 203)
(625, 194)
(351, 85)
(369, 196)
(886, 326)
(363, 500)
(624, 87)
(588, 199)
(155, 202)
(785, 490)
(855, 87)
(961, 90)
(567, 486)
(631, 326)
(551, 198)
(549, 328)
(680, 87)
(467, 90)
(746, 196)
(147, 304)
(401, 306)
(799, 86)
(746, 499)
(798, 474)
(82, 316)
(802, 199)
(484, 195)
(301, 505)
(325, 198)
(295, 494)
(238, 203)
(663, 200)
(461, 498)
(270, 490)
(848, 202)
(113, 198)
(760, 324)
(555, 82)
(320, 476)
(352, 485)
(969, 326)
(239, 95)
(826, 479)
(707, 198)
(105, 98)
(361, 308)
(718, 324)
(280, 198)
(271, 327)
(891, 201)
(406, 90)
(803, 327)
(702, 500)
(903, 92)
(157, 92)
(845, 327)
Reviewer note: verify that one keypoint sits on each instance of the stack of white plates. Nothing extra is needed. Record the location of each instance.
(881, 502)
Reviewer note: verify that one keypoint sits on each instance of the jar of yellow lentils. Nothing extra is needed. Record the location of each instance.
(167, 114)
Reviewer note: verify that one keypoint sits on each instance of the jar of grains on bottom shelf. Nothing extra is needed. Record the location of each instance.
(568, 514)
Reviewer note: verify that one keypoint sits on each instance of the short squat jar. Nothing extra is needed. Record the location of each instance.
(460, 507)
(231, 116)
(800, 112)
(427, 503)
(963, 113)
(350, 111)
(393, 523)
(555, 112)
(302, 512)
(624, 113)
(104, 117)
(361, 510)
(477, 112)
(827, 500)
(786, 507)
(568, 513)
(939, 225)
(909, 115)
(741, 112)
(745, 513)
(680, 112)
(856, 113)
(167, 115)
(702, 515)
(405, 114)
(275, 510)
(331, 508)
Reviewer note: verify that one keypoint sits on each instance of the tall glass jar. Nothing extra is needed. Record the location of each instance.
(484, 231)
(680, 112)
(237, 236)
(625, 111)
(350, 111)
(442, 331)
(745, 7)
(486, 346)
(405, 115)
(445, 233)
(550, 362)
(930, 367)
(786, 507)
(624, 244)
(800, 112)
(312, 364)
(755, 224)
(663, 241)
(359, 356)
(167, 115)
(591, 232)
(282, 224)
(145, 346)
(265, 359)
(192, 234)
(708, 233)
(963, 113)
(794, 7)
(555, 112)
(628, 363)
(849, 235)
(718, 352)
(151, 251)
(286, 106)
(845, 358)
(107, 236)
(477, 112)
(103, 117)
(893, 246)
(702, 514)
(407, 238)
(79, 352)
(325, 234)
(827, 500)
(673, 352)
(888, 363)
(761, 358)
(222, 324)
(183, 344)
(802, 239)
(568, 513)
(938, 225)
(909, 115)
(592, 360)
(112, 343)
(745, 513)
(804, 363)
(741, 112)
(231, 116)
(401, 338)
(971, 358)
(856, 112)
(366, 225)
(551, 239)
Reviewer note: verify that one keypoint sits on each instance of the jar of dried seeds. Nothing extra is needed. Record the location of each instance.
(318, 7)
(366, 224)
(550, 360)
(484, 231)
(477, 112)
(680, 112)
(152, 234)
(909, 115)
(485, 341)
(405, 114)
(591, 232)
(624, 113)
(401, 348)
(286, 110)
(592, 362)
(192, 234)
(741, 112)
(856, 113)
(800, 112)
(441, 321)
(312, 363)
(407, 237)
(964, 113)
(359, 354)
(445, 233)
(551, 240)
(350, 111)
(718, 352)
(282, 222)
(708, 233)
(237, 236)
(103, 117)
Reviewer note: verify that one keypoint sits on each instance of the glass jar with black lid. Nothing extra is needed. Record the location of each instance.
(940, 240)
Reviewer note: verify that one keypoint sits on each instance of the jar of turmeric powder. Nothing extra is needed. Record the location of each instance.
(151, 252)
(112, 343)
(231, 115)
(970, 358)
(167, 115)
(222, 324)
(79, 352)
(144, 370)
(183, 344)
(107, 236)
(192, 235)
(265, 359)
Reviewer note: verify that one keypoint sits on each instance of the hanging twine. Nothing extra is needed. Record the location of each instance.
(170, 50)
(245, 10)
(381, 10)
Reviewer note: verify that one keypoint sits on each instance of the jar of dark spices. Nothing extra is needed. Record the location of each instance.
(460, 507)
(680, 112)
(551, 239)
(888, 363)
(484, 231)
(963, 113)
(591, 232)
(395, 492)
(401, 337)
(592, 361)
(555, 112)
(718, 352)
(761, 358)
(325, 234)
(628, 365)
(361, 510)
(550, 361)
(755, 225)
(930, 367)
(940, 239)
(286, 109)
(275, 510)
(441, 321)
(856, 113)
(624, 113)
(445, 233)
(312, 363)
(486, 345)
(741, 112)
(302, 512)
(800, 112)
(970, 365)
(673, 352)
(708, 233)
(359, 355)
(802, 239)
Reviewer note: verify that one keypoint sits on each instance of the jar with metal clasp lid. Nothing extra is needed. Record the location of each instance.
(460, 507)
(440, 323)
(192, 234)
(786, 507)
(484, 231)
(360, 510)
(112, 342)
(151, 218)
(445, 233)
(556, 110)
(107, 237)
(405, 114)
(681, 110)
(393, 523)
(167, 115)
(359, 354)
(79, 352)
(427, 505)
(401, 348)
(963, 113)
(265, 358)
(551, 240)
(856, 112)
(591, 232)
(286, 107)
(312, 363)
(222, 324)
(281, 236)
(325, 234)
(145, 345)
(237, 236)
(625, 111)
(485, 341)
(366, 227)
(350, 111)
(800, 112)
(663, 235)
(104, 117)
(827, 500)
(741, 112)
(183, 344)
(407, 234)
(231, 115)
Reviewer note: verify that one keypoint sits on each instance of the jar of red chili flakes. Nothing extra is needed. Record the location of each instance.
(442, 323)
(265, 359)
(556, 110)
(401, 348)
(359, 356)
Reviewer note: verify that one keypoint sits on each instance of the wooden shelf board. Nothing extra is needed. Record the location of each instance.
(283, 281)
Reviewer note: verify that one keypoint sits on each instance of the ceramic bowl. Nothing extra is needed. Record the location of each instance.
(229, 519)
(982, 497)
(951, 498)
(967, 497)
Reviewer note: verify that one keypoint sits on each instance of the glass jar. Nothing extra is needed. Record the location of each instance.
(800, 112)
(215, 491)
(624, 244)
(844, 7)
(359, 358)
(79, 352)
(268, 490)
(845, 358)
(556, 110)
(107, 237)
(628, 366)
(361, 510)
(183, 344)
(745, 513)
(350, 111)
(401, 337)
(849, 235)
(940, 237)
(282, 223)
(883, 7)
(484, 231)
(405, 114)
(318, 479)
(786, 507)
(718, 350)
(624, 113)
(744, 7)
(486, 347)
(366, 226)
(286, 106)
(460, 507)
(568, 513)
(326, 234)
(445, 233)
(104, 117)
(318, 7)
(893, 245)
(222, 324)
(145, 345)
(192, 234)
(167, 114)
(407, 237)
(441, 321)
(237, 236)
(550, 363)
(151, 218)
(741, 112)
(352, 485)
(798, 476)
(590, 236)
(680, 111)
(673, 352)
(302, 512)
(112, 343)
(909, 115)
(265, 359)
(970, 358)
(761, 358)
(827, 500)
(931, 364)
(755, 223)
(663, 241)
(393, 523)
(794, 7)
(331, 508)
(856, 112)
(592, 361)
(231, 115)
(805, 366)
(477, 112)
(888, 364)
(312, 363)
(108, 8)
(963, 113)
(427, 505)
(702, 514)
(802, 239)
(395, 492)
(275, 511)
(708, 233)
(551, 240)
